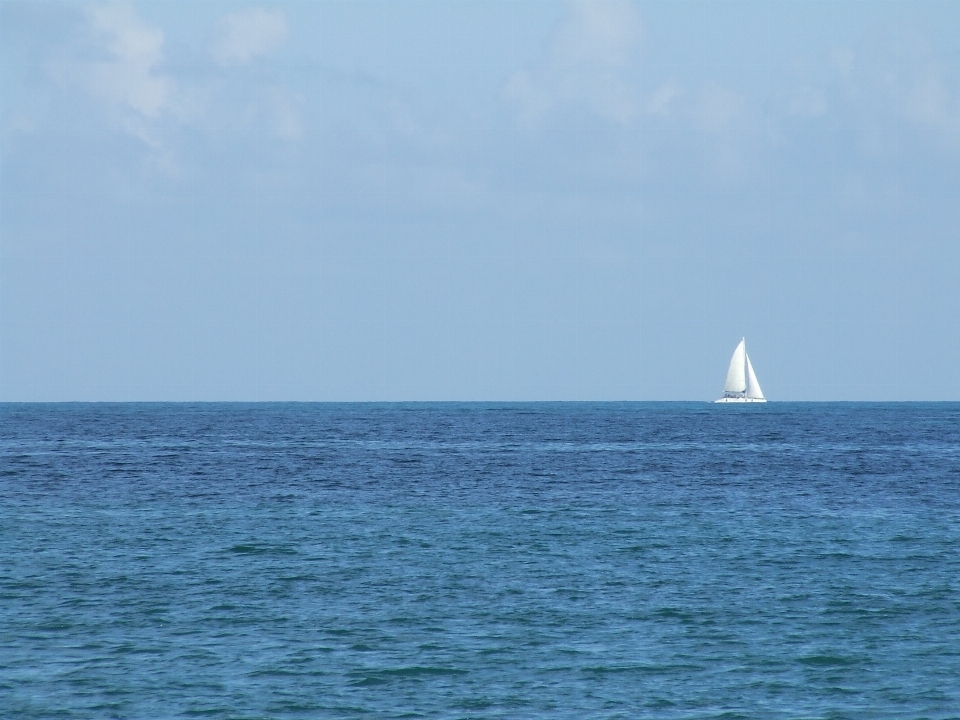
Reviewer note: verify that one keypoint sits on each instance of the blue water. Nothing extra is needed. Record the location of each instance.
(480, 561)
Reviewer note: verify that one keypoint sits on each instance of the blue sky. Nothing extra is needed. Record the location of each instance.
(478, 200)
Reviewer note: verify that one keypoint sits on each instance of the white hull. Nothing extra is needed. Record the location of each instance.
(739, 400)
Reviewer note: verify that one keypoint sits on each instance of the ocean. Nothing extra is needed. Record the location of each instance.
(567, 560)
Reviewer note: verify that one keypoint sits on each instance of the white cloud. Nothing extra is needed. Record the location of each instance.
(585, 65)
(240, 37)
(129, 80)
(597, 33)
(126, 73)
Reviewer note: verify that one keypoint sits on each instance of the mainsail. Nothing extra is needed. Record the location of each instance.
(742, 384)
(736, 375)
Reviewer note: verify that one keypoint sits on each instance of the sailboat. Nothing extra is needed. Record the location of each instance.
(741, 385)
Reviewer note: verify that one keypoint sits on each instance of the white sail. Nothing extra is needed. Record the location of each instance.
(742, 385)
(736, 374)
(753, 387)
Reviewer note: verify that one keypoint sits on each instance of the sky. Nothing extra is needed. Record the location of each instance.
(493, 200)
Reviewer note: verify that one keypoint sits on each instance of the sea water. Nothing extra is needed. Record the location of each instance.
(480, 561)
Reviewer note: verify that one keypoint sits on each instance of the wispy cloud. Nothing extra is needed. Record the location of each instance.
(719, 108)
(585, 65)
(129, 79)
(929, 103)
(660, 102)
(908, 84)
(120, 59)
(287, 121)
(243, 36)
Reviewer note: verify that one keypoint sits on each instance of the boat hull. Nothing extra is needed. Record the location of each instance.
(740, 400)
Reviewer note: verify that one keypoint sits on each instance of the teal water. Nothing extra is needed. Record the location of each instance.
(480, 561)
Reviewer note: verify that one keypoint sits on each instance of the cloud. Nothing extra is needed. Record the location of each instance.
(718, 109)
(119, 59)
(725, 117)
(659, 103)
(928, 103)
(243, 36)
(287, 122)
(585, 66)
(597, 34)
(129, 80)
(906, 86)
